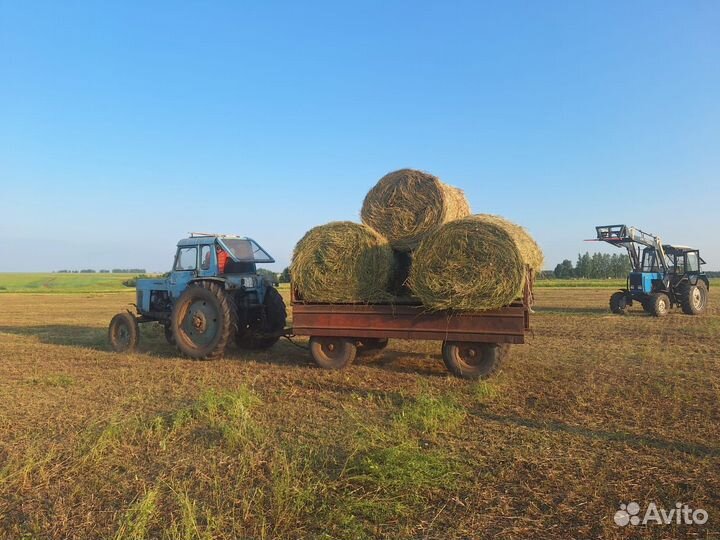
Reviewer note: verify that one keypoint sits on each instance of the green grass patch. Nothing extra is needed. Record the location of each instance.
(136, 521)
(225, 415)
(484, 391)
(396, 466)
(429, 414)
(63, 283)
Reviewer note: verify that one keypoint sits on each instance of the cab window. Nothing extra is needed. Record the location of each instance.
(649, 261)
(205, 257)
(692, 262)
(186, 259)
(679, 264)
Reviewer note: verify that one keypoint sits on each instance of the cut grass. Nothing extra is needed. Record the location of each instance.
(63, 381)
(263, 445)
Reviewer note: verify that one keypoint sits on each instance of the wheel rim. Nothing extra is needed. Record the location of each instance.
(332, 348)
(470, 355)
(122, 335)
(697, 298)
(200, 323)
(662, 305)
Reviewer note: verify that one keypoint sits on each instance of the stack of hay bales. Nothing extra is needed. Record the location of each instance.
(418, 237)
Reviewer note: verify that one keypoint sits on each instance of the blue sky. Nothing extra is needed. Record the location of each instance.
(123, 125)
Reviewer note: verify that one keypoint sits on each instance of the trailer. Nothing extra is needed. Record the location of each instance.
(474, 345)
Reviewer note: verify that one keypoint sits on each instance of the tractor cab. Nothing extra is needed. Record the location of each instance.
(232, 259)
(683, 260)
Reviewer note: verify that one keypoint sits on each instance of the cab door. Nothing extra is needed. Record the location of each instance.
(184, 270)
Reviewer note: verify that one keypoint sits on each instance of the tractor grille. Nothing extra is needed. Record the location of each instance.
(636, 282)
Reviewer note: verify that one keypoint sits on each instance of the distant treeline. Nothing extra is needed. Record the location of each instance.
(595, 266)
(113, 271)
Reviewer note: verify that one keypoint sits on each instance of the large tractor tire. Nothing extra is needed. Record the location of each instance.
(124, 332)
(658, 304)
(473, 360)
(694, 298)
(618, 303)
(202, 321)
(263, 333)
(333, 352)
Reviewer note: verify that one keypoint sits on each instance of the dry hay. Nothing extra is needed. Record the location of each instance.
(343, 262)
(405, 205)
(471, 264)
(529, 249)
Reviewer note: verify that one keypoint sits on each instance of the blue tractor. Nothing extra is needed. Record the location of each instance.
(663, 275)
(213, 296)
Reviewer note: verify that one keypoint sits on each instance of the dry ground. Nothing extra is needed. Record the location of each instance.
(595, 410)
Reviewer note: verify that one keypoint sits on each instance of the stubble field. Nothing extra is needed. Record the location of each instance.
(594, 411)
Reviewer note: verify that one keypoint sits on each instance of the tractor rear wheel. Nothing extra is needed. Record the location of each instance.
(202, 321)
(693, 298)
(123, 332)
(264, 333)
(473, 360)
(332, 352)
(658, 304)
(618, 303)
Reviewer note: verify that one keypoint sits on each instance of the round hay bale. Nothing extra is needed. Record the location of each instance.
(342, 262)
(405, 205)
(529, 249)
(467, 265)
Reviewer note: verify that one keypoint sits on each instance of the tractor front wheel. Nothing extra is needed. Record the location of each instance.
(693, 298)
(124, 332)
(658, 304)
(202, 321)
(618, 303)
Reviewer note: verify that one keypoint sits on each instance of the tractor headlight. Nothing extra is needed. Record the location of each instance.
(248, 282)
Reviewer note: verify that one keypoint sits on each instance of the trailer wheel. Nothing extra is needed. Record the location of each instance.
(618, 303)
(202, 321)
(123, 332)
(659, 304)
(332, 352)
(473, 360)
(693, 298)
